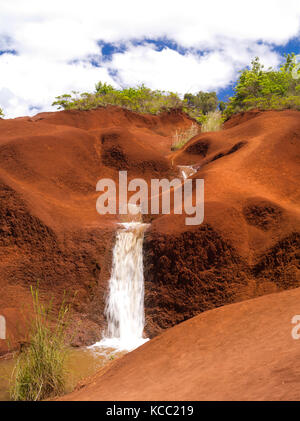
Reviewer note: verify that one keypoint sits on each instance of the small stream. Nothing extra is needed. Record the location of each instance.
(186, 171)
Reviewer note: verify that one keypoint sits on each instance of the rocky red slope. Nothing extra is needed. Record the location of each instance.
(50, 231)
(242, 351)
(248, 244)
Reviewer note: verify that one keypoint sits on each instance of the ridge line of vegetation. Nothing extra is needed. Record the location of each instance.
(256, 88)
(140, 99)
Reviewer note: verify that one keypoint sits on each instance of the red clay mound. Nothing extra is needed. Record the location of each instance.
(50, 231)
(125, 151)
(242, 351)
(248, 244)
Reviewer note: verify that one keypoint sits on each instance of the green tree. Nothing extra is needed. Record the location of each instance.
(103, 88)
(204, 101)
(222, 106)
(140, 99)
(265, 89)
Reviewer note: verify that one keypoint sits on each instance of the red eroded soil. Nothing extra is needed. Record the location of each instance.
(242, 351)
(50, 231)
(248, 244)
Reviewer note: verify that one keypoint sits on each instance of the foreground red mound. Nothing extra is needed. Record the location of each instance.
(243, 351)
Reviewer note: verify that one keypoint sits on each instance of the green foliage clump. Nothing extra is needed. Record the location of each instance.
(40, 369)
(199, 105)
(140, 99)
(203, 102)
(1, 113)
(266, 89)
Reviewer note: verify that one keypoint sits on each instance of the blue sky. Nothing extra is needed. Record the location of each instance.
(47, 49)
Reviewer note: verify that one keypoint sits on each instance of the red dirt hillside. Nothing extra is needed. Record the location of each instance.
(50, 232)
(49, 228)
(248, 243)
(243, 351)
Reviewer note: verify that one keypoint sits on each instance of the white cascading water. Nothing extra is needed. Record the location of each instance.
(125, 302)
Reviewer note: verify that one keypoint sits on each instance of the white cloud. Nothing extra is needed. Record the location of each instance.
(49, 35)
(170, 70)
(34, 81)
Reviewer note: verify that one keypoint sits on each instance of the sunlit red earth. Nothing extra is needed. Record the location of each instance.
(246, 247)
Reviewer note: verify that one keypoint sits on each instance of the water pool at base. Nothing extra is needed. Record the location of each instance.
(124, 311)
(80, 363)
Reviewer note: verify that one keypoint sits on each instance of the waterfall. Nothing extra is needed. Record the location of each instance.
(125, 302)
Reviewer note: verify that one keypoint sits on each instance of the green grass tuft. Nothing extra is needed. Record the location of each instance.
(213, 122)
(40, 372)
(181, 137)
